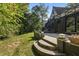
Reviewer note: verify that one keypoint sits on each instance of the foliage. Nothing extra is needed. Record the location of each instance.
(41, 11)
(38, 35)
(33, 19)
(9, 22)
(74, 39)
(31, 23)
(16, 19)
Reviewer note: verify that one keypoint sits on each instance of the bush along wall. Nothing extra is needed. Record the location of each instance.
(38, 35)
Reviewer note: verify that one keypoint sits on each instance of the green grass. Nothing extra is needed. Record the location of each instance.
(17, 46)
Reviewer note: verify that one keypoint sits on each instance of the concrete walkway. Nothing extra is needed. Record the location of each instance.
(55, 35)
(51, 37)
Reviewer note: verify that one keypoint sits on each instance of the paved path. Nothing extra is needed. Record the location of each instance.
(52, 37)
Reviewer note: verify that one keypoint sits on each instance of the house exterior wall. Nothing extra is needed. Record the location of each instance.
(60, 22)
(59, 25)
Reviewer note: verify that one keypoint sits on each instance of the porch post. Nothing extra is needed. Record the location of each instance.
(65, 22)
(75, 22)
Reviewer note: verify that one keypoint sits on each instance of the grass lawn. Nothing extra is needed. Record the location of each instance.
(17, 46)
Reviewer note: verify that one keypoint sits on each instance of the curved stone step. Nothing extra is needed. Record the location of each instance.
(50, 40)
(44, 52)
(46, 45)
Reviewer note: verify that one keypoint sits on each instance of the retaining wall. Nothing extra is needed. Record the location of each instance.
(68, 48)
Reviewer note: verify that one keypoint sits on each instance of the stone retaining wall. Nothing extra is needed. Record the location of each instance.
(68, 48)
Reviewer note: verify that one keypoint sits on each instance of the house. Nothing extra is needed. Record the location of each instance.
(51, 24)
(63, 20)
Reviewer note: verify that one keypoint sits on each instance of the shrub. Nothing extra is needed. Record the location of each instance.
(74, 39)
(38, 35)
(3, 37)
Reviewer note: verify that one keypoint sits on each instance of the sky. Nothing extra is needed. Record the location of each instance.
(50, 5)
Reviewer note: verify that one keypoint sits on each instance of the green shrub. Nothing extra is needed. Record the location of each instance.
(38, 35)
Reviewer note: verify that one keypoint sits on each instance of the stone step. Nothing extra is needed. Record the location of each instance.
(44, 52)
(46, 45)
(50, 40)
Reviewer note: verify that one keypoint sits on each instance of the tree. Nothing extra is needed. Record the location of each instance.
(41, 11)
(30, 23)
(23, 8)
(9, 22)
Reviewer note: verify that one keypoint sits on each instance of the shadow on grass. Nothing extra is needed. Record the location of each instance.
(32, 39)
(3, 39)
